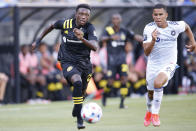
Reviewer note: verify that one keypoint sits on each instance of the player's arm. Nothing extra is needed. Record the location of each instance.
(92, 44)
(192, 46)
(106, 36)
(112, 37)
(132, 36)
(45, 32)
(148, 46)
(138, 38)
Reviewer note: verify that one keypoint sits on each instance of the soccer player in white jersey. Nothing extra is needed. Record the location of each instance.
(160, 46)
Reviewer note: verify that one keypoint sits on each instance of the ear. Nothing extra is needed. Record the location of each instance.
(166, 15)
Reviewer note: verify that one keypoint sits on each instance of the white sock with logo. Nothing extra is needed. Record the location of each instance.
(157, 98)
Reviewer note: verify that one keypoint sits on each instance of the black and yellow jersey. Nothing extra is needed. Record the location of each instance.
(115, 47)
(72, 49)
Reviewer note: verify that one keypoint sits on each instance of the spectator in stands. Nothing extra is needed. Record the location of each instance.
(45, 59)
(28, 79)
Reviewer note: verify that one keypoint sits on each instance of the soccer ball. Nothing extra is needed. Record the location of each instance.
(91, 112)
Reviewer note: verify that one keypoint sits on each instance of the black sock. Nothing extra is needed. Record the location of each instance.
(77, 98)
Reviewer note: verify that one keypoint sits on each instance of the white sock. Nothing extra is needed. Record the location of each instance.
(148, 103)
(157, 98)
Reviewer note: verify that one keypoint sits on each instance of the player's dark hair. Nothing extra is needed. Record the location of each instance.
(160, 6)
(86, 6)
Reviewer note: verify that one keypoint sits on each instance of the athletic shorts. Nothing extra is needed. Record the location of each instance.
(117, 64)
(168, 70)
(82, 68)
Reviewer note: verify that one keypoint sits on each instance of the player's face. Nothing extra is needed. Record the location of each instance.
(160, 17)
(116, 20)
(82, 16)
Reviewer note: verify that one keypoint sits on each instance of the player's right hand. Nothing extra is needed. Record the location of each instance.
(155, 33)
(115, 37)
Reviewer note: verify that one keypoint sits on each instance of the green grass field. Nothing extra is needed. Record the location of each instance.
(178, 113)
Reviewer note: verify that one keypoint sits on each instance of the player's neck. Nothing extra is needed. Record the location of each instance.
(164, 25)
(116, 28)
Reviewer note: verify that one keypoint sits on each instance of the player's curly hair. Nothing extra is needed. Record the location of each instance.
(86, 6)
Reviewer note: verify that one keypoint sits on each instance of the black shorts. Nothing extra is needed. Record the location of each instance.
(82, 68)
(117, 65)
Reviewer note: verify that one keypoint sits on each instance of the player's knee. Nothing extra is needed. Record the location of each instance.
(77, 84)
(158, 84)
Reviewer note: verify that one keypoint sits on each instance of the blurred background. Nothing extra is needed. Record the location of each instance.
(30, 77)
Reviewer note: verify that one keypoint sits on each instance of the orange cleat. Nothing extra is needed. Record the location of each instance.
(155, 120)
(147, 119)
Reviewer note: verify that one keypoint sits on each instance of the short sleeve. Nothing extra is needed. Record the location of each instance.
(59, 24)
(181, 26)
(104, 33)
(92, 33)
(147, 37)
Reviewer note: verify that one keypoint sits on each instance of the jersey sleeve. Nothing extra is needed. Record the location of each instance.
(59, 24)
(181, 26)
(147, 37)
(92, 33)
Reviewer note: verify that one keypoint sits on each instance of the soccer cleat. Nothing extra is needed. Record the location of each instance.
(147, 119)
(80, 124)
(155, 120)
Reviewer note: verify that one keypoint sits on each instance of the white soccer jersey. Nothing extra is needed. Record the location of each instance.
(164, 51)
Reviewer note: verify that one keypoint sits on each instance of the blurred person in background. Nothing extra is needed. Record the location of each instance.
(31, 78)
(28, 79)
(78, 39)
(116, 38)
(3, 83)
(160, 46)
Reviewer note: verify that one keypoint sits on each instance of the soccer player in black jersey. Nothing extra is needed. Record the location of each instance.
(116, 37)
(78, 39)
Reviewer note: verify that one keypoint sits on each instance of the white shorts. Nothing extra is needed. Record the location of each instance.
(168, 70)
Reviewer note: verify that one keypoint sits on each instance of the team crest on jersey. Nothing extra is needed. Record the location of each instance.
(158, 39)
(69, 68)
(173, 33)
(122, 36)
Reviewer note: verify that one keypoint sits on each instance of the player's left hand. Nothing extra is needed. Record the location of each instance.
(191, 47)
(78, 33)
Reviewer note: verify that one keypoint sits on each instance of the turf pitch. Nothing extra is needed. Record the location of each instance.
(178, 113)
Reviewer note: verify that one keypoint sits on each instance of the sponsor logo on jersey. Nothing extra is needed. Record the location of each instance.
(69, 68)
(164, 40)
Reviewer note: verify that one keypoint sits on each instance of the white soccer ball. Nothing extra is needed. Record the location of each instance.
(91, 112)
